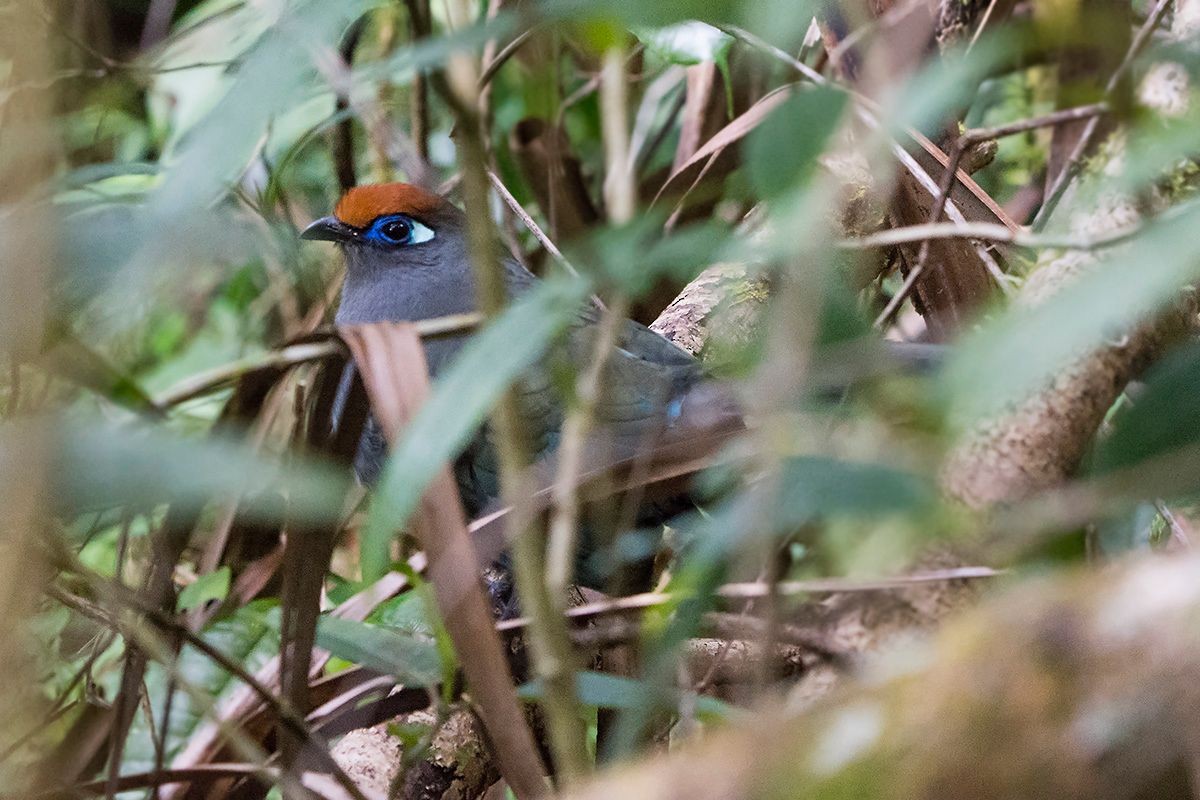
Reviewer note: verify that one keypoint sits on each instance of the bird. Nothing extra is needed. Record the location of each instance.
(407, 259)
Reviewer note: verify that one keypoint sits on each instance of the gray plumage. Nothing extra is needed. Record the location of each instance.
(644, 379)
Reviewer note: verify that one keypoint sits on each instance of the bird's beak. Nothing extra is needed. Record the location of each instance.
(328, 229)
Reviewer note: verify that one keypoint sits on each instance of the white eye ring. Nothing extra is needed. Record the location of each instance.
(420, 233)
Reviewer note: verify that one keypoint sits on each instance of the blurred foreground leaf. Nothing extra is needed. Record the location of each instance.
(602, 690)
(101, 466)
(1023, 349)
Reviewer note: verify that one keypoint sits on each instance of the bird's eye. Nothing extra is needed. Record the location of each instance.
(398, 229)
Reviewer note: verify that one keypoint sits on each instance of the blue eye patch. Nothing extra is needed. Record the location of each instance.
(395, 230)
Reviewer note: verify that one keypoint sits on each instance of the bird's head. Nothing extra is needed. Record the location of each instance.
(406, 255)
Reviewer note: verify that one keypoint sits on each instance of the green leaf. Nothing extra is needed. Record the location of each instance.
(461, 399)
(945, 84)
(782, 151)
(635, 256)
(411, 658)
(213, 586)
(407, 613)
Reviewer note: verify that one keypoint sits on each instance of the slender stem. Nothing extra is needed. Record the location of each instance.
(529, 223)
(242, 744)
(756, 589)
(205, 773)
(620, 191)
(342, 140)
(620, 199)
(507, 52)
(1044, 121)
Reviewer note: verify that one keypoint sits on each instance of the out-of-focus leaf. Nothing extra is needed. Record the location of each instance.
(433, 52)
(215, 33)
(636, 255)
(811, 487)
(100, 466)
(687, 43)
(782, 151)
(602, 690)
(461, 398)
(806, 489)
(945, 84)
(1165, 415)
(75, 360)
(413, 659)
(1023, 349)
(213, 586)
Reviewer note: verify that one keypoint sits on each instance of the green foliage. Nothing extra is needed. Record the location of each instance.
(106, 467)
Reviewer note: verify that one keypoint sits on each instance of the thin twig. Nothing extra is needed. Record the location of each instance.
(1044, 121)
(939, 206)
(529, 223)
(989, 232)
(507, 52)
(564, 524)
(294, 355)
(419, 25)
(143, 780)
(868, 111)
(342, 141)
(286, 714)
